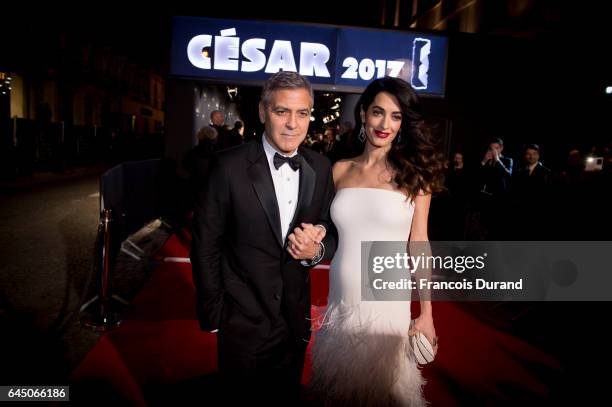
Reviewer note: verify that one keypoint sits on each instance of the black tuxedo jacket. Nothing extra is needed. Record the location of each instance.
(244, 277)
(535, 183)
(495, 178)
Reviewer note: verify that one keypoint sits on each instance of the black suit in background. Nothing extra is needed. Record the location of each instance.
(531, 198)
(247, 285)
(197, 163)
(454, 204)
(495, 178)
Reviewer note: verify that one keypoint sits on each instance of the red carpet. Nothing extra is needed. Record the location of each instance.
(159, 345)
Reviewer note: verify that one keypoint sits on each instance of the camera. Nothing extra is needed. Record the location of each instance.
(594, 164)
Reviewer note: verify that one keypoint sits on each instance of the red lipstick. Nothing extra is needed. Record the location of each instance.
(381, 134)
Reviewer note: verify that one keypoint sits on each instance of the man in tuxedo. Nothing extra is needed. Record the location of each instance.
(261, 223)
(530, 196)
(495, 175)
(496, 170)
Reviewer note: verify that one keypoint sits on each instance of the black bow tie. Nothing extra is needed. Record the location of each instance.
(294, 162)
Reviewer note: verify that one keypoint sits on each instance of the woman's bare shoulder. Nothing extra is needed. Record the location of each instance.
(342, 169)
(342, 166)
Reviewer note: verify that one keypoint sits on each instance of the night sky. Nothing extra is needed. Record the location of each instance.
(552, 84)
(143, 32)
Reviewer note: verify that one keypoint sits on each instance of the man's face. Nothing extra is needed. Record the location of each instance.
(531, 156)
(496, 147)
(286, 118)
(458, 159)
(217, 119)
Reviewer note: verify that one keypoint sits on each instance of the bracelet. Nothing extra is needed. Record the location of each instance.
(317, 257)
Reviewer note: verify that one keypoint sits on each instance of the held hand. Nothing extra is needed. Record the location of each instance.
(314, 232)
(301, 246)
(425, 325)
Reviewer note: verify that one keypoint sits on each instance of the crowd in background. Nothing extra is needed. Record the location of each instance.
(494, 197)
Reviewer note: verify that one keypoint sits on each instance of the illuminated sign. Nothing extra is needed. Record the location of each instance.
(331, 57)
(313, 57)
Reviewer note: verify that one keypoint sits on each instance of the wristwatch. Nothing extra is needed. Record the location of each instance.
(317, 257)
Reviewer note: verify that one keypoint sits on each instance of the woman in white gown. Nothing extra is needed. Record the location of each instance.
(360, 352)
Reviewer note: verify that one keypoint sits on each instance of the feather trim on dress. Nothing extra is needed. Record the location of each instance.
(359, 362)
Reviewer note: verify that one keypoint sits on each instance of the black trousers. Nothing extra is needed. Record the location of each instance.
(271, 375)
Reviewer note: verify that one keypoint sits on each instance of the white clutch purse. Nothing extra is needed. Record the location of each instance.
(421, 348)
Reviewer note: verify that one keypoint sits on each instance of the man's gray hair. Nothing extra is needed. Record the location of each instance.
(207, 132)
(285, 80)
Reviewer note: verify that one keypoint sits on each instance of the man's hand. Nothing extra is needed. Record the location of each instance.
(314, 232)
(304, 241)
(495, 155)
(487, 157)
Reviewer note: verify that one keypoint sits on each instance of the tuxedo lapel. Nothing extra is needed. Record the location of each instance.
(306, 190)
(259, 173)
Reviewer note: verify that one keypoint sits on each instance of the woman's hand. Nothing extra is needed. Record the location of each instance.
(314, 232)
(424, 324)
(304, 241)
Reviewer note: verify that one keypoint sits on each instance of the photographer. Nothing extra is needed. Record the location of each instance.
(495, 173)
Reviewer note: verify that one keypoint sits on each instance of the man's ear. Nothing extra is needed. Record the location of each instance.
(262, 113)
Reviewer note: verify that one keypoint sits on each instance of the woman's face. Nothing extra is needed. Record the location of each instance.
(382, 120)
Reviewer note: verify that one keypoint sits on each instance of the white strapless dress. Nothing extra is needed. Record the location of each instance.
(360, 354)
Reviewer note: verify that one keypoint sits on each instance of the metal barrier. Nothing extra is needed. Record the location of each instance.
(131, 195)
(102, 312)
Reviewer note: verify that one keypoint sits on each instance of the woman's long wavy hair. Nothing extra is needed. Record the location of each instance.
(417, 164)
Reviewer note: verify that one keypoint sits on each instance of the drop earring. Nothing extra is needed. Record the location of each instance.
(362, 135)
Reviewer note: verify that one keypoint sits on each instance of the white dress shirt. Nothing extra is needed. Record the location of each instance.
(286, 186)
